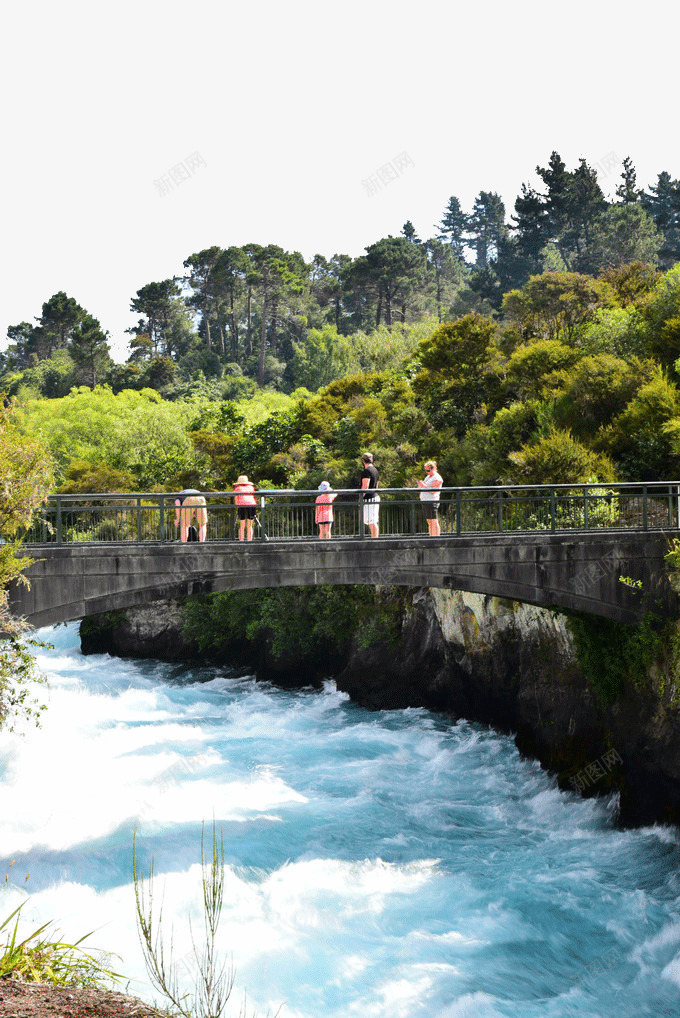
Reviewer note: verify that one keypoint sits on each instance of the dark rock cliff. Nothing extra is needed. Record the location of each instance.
(152, 630)
(513, 666)
(502, 663)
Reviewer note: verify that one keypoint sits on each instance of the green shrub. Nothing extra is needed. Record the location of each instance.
(610, 653)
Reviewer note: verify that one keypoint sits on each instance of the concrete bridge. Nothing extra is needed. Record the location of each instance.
(580, 571)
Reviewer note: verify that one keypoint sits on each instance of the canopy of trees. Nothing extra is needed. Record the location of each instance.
(545, 345)
(577, 377)
(260, 316)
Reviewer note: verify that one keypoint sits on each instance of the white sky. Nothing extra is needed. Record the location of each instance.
(290, 106)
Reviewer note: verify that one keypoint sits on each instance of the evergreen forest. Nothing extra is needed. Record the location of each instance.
(540, 346)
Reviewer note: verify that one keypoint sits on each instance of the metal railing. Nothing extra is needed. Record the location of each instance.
(285, 515)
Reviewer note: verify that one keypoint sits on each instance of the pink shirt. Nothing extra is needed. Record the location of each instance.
(245, 494)
(324, 507)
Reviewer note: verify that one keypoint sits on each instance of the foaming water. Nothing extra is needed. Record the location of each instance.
(378, 864)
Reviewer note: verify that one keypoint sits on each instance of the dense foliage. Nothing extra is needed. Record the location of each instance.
(25, 479)
(260, 315)
(576, 378)
(610, 653)
(311, 627)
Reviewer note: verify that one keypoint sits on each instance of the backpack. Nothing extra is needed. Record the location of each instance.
(192, 534)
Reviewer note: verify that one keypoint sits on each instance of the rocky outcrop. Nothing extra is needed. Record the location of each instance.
(151, 630)
(513, 666)
(507, 664)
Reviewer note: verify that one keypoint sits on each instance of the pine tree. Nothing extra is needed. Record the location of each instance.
(453, 227)
(201, 279)
(586, 203)
(557, 201)
(445, 273)
(397, 268)
(628, 191)
(663, 204)
(562, 216)
(89, 350)
(486, 226)
(408, 230)
(531, 226)
(60, 315)
(159, 304)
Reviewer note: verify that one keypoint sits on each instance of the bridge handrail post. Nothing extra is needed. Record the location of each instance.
(552, 509)
(458, 522)
(263, 532)
(161, 506)
(60, 539)
(500, 513)
(362, 535)
(644, 506)
(585, 507)
(139, 518)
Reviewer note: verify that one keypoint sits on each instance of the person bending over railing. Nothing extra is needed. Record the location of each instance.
(190, 505)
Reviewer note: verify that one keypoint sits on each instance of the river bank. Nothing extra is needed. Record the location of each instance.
(39, 1000)
(509, 665)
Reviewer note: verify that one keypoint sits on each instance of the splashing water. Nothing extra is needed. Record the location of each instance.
(378, 864)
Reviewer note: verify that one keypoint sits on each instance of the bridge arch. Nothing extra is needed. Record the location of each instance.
(578, 571)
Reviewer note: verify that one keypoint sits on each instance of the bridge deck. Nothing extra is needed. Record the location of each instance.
(580, 571)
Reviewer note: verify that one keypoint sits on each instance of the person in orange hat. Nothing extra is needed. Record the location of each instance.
(324, 510)
(246, 503)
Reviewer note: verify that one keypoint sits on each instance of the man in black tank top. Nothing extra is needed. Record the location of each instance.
(369, 484)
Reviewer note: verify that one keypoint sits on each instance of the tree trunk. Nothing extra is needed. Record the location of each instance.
(263, 339)
(249, 324)
(438, 279)
(207, 326)
(234, 331)
(272, 331)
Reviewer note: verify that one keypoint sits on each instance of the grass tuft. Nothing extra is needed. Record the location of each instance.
(43, 958)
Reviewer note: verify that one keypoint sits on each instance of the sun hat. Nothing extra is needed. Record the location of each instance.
(242, 479)
(324, 486)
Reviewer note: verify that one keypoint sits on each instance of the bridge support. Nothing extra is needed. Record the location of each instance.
(575, 571)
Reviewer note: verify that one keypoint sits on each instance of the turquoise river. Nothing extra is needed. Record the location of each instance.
(378, 865)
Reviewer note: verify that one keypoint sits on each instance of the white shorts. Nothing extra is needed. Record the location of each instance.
(371, 510)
